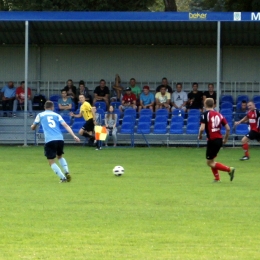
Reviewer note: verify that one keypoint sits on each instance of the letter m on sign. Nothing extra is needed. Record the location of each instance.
(255, 17)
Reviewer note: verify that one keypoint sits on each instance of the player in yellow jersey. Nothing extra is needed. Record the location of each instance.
(87, 112)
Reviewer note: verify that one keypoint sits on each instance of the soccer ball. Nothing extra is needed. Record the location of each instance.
(118, 170)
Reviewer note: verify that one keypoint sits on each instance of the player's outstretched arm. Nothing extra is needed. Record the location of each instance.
(70, 131)
(244, 119)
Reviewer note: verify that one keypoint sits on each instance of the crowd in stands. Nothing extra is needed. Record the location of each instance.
(122, 98)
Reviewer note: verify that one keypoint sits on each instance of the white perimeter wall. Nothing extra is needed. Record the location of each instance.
(145, 63)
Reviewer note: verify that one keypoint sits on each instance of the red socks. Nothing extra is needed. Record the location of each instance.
(245, 148)
(215, 173)
(222, 167)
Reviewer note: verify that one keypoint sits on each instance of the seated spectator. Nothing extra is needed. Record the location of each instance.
(179, 98)
(135, 90)
(195, 98)
(164, 84)
(8, 97)
(19, 99)
(97, 122)
(65, 103)
(210, 94)
(241, 111)
(117, 90)
(71, 91)
(128, 100)
(146, 99)
(110, 122)
(101, 93)
(83, 90)
(162, 99)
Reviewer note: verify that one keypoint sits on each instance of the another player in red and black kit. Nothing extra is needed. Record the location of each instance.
(253, 117)
(211, 122)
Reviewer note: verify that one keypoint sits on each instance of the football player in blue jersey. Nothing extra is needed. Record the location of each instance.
(54, 142)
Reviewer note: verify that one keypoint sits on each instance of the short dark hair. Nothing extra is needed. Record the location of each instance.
(132, 79)
(164, 78)
(243, 101)
(82, 82)
(48, 104)
(63, 90)
(22, 82)
(195, 83)
(178, 84)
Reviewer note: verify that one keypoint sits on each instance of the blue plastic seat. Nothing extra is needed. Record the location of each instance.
(130, 112)
(127, 128)
(178, 112)
(54, 98)
(115, 104)
(160, 128)
(194, 112)
(145, 119)
(192, 128)
(226, 98)
(223, 130)
(143, 128)
(227, 105)
(160, 119)
(76, 126)
(101, 105)
(226, 112)
(177, 119)
(79, 119)
(240, 98)
(176, 128)
(40, 130)
(256, 99)
(241, 129)
(257, 105)
(67, 119)
(146, 112)
(193, 119)
(162, 112)
(128, 118)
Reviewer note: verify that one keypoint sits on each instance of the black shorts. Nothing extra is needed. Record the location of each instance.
(53, 148)
(89, 125)
(213, 147)
(253, 135)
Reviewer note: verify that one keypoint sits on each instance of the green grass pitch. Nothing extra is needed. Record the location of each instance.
(165, 206)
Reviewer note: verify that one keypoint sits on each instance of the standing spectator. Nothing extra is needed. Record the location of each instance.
(110, 122)
(88, 113)
(179, 98)
(195, 98)
(83, 90)
(117, 90)
(98, 121)
(164, 84)
(241, 111)
(19, 99)
(135, 90)
(146, 99)
(65, 103)
(211, 122)
(128, 100)
(101, 93)
(71, 91)
(54, 142)
(253, 117)
(8, 96)
(162, 99)
(210, 94)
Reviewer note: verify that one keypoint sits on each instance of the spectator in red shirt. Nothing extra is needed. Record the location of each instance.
(128, 100)
(211, 122)
(19, 99)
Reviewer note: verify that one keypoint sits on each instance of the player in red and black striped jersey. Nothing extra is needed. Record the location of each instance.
(253, 117)
(211, 122)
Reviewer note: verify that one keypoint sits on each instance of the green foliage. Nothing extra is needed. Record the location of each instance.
(164, 207)
(78, 5)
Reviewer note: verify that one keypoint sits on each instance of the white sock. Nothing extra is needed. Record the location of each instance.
(64, 165)
(57, 171)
